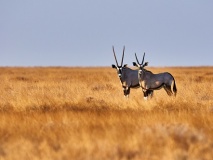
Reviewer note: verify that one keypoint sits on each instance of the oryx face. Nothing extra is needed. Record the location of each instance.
(119, 69)
(140, 65)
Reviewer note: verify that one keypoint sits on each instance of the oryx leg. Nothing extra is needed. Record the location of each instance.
(168, 90)
(145, 94)
(126, 91)
(150, 93)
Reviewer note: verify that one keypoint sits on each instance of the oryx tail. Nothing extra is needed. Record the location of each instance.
(174, 88)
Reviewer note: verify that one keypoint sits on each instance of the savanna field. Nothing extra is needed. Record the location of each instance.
(65, 113)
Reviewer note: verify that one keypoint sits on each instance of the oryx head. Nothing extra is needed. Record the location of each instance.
(119, 68)
(140, 65)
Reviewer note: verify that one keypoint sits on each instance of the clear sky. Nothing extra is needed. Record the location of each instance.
(82, 32)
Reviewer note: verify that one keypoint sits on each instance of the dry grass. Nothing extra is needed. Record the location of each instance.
(80, 113)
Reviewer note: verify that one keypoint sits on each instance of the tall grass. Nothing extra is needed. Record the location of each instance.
(81, 113)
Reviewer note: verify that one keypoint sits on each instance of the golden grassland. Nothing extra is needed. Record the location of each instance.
(59, 113)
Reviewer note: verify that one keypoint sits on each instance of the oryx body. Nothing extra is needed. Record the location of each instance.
(128, 77)
(149, 81)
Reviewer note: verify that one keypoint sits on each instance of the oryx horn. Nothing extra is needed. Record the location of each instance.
(136, 58)
(123, 56)
(115, 56)
(143, 58)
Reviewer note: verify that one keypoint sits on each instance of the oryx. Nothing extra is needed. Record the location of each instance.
(128, 77)
(149, 81)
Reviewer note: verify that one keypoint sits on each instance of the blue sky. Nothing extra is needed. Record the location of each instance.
(82, 32)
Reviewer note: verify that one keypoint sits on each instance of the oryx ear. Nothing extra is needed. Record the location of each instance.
(134, 64)
(113, 66)
(125, 65)
(145, 64)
